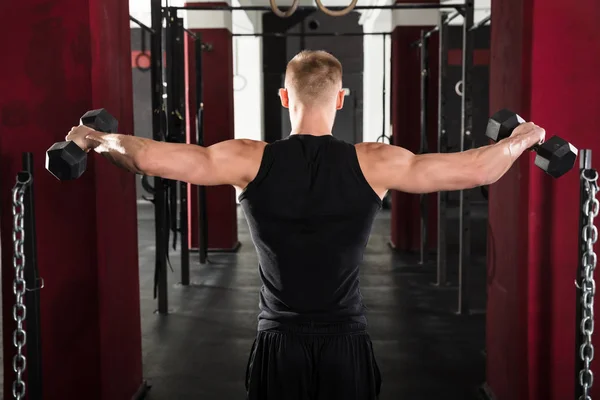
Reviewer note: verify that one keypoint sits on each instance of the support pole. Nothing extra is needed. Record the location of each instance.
(202, 212)
(424, 57)
(466, 143)
(442, 197)
(160, 210)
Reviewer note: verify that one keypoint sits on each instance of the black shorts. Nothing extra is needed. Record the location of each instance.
(329, 362)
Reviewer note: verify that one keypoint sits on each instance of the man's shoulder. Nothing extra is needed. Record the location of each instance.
(371, 149)
(251, 143)
(248, 148)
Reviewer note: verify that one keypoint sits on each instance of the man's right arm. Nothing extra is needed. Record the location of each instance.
(389, 167)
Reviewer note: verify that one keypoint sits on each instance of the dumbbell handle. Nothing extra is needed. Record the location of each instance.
(90, 124)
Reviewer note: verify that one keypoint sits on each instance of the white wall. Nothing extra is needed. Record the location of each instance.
(248, 77)
(373, 107)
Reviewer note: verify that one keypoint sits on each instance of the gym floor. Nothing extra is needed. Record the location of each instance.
(424, 350)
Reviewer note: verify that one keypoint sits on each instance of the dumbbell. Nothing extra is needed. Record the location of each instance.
(66, 160)
(555, 156)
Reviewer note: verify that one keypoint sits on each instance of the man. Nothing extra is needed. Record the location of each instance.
(310, 200)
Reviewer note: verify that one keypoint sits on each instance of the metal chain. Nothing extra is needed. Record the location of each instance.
(19, 361)
(588, 284)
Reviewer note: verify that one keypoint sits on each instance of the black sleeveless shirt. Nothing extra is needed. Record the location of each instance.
(310, 211)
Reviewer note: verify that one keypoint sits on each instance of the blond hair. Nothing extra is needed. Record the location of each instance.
(314, 75)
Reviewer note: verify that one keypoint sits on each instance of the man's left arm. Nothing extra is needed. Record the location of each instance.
(232, 162)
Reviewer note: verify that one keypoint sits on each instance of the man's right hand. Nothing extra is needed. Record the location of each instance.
(388, 167)
(79, 135)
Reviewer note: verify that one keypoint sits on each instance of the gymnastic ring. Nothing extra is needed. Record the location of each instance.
(340, 13)
(458, 88)
(139, 57)
(282, 14)
(243, 80)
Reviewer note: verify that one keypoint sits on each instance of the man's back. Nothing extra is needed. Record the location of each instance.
(310, 212)
(310, 202)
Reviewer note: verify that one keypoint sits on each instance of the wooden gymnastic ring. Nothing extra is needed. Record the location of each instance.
(340, 13)
(282, 14)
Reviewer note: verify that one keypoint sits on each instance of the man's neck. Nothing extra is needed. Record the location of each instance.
(313, 122)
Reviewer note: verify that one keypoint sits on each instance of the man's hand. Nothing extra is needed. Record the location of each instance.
(79, 135)
(389, 167)
(525, 136)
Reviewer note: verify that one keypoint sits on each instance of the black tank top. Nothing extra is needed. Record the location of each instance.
(310, 211)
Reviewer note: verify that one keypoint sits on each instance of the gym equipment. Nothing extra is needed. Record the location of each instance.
(66, 160)
(284, 14)
(556, 156)
(339, 13)
(584, 311)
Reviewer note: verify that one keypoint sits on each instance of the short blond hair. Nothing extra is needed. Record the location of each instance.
(314, 75)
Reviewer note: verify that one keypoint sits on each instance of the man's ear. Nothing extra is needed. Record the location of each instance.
(340, 99)
(283, 95)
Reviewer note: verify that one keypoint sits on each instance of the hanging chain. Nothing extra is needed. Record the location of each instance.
(19, 361)
(588, 285)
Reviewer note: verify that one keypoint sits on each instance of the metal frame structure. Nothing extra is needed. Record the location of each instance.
(158, 129)
(423, 146)
(168, 124)
(166, 120)
(397, 6)
(199, 47)
(466, 143)
(202, 211)
(176, 129)
(442, 197)
(307, 34)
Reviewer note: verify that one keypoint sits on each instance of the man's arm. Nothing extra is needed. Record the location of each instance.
(391, 167)
(232, 162)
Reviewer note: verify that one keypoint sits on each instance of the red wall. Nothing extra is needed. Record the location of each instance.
(542, 66)
(66, 58)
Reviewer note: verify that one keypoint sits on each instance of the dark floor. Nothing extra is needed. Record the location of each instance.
(424, 350)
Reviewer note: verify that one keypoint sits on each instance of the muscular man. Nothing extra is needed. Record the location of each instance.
(310, 200)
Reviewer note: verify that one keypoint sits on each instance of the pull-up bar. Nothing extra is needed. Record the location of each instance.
(316, 34)
(399, 6)
(141, 25)
(481, 23)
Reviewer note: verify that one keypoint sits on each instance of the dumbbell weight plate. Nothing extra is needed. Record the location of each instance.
(100, 120)
(556, 156)
(66, 160)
